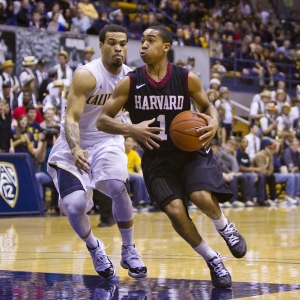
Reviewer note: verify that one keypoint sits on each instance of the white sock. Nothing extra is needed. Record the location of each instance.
(220, 223)
(205, 251)
(91, 241)
(127, 236)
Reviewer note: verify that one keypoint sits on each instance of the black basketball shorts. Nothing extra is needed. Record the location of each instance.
(175, 175)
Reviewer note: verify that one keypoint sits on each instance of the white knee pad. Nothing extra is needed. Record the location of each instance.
(122, 205)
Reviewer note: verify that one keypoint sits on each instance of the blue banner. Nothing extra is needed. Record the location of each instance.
(18, 186)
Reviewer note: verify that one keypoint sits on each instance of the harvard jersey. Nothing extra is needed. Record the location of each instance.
(162, 101)
(105, 84)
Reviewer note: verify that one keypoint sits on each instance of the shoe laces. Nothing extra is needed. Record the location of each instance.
(218, 266)
(101, 259)
(132, 257)
(230, 234)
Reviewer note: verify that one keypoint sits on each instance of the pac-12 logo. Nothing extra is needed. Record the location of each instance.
(9, 186)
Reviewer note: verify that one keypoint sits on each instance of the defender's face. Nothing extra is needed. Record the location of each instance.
(114, 48)
(153, 48)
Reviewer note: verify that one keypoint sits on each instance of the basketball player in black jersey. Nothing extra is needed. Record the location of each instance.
(153, 95)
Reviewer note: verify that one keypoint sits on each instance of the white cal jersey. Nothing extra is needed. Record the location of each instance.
(105, 84)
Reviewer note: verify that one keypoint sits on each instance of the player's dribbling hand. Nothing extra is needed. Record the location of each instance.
(209, 131)
(81, 160)
(146, 134)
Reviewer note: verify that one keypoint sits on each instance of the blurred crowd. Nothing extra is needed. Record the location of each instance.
(242, 35)
(262, 164)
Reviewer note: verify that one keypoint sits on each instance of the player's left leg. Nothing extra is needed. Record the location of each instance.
(122, 212)
(209, 205)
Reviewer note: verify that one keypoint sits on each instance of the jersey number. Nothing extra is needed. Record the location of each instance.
(162, 120)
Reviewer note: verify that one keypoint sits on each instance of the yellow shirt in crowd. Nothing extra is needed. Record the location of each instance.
(134, 160)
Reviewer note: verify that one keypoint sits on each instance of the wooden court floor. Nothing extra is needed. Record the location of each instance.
(41, 258)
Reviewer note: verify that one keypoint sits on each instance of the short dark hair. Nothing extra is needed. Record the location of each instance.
(164, 33)
(111, 28)
(30, 107)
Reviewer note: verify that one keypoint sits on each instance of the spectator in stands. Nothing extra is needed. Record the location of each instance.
(64, 71)
(7, 75)
(140, 197)
(2, 12)
(55, 100)
(278, 36)
(29, 63)
(135, 28)
(191, 14)
(226, 113)
(21, 110)
(8, 96)
(262, 14)
(40, 7)
(290, 178)
(215, 84)
(254, 175)
(174, 10)
(150, 21)
(23, 16)
(282, 66)
(215, 46)
(37, 21)
(253, 145)
(296, 69)
(57, 18)
(82, 21)
(256, 42)
(232, 176)
(268, 123)
(295, 111)
(28, 86)
(22, 138)
(88, 9)
(280, 100)
(99, 23)
(265, 35)
(264, 160)
(285, 130)
(245, 8)
(37, 136)
(258, 108)
(216, 10)
(284, 49)
(179, 40)
(196, 38)
(245, 28)
(212, 95)
(54, 25)
(41, 73)
(64, 5)
(281, 85)
(9, 12)
(243, 53)
(256, 67)
(46, 86)
(291, 159)
(88, 54)
(5, 130)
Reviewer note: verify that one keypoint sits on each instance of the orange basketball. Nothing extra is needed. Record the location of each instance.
(183, 131)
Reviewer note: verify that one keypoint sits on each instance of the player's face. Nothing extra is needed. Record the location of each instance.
(153, 49)
(114, 49)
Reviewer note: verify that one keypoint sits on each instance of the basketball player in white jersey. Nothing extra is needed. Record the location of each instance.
(84, 158)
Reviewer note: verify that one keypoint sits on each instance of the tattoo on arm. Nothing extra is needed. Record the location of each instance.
(72, 135)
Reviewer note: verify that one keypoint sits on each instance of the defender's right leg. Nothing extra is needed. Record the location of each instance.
(74, 203)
